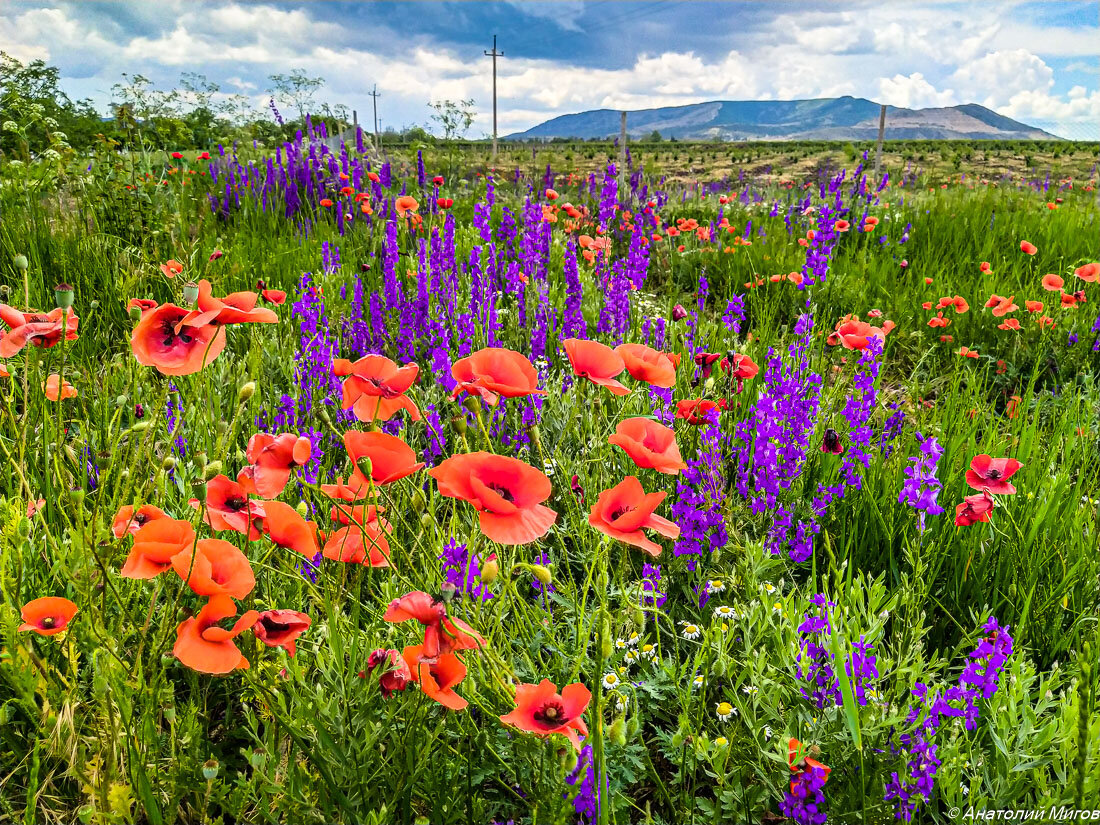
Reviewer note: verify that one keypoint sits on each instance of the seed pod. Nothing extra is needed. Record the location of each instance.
(21, 262)
(212, 469)
(190, 293)
(63, 296)
(210, 770)
(168, 464)
(458, 424)
(366, 467)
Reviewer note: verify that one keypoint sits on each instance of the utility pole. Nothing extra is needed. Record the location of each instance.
(622, 154)
(878, 148)
(494, 54)
(375, 94)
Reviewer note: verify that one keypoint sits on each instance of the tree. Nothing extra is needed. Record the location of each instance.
(453, 117)
(31, 98)
(296, 88)
(653, 137)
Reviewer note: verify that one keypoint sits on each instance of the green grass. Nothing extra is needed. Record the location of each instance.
(104, 725)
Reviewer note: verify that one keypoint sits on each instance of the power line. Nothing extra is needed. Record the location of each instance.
(494, 54)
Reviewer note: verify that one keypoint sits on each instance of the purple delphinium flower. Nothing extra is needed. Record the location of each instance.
(461, 569)
(817, 667)
(979, 679)
(651, 596)
(586, 802)
(700, 495)
(921, 485)
(891, 430)
(802, 801)
(735, 313)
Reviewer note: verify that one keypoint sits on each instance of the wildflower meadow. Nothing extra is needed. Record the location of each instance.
(348, 485)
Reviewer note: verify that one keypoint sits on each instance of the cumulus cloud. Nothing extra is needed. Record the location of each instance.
(997, 77)
(913, 92)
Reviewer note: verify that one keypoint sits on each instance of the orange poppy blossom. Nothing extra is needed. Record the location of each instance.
(289, 530)
(650, 444)
(166, 338)
(1033, 306)
(363, 541)
(374, 387)
(494, 373)
(47, 616)
(597, 362)
(396, 674)
(1052, 283)
(647, 364)
(436, 676)
(202, 645)
(696, 410)
(405, 204)
(506, 492)
(154, 546)
(342, 492)
(271, 459)
(128, 521)
(280, 628)
(142, 305)
(985, 268)
(542, 711)
(853, 334)
(391, 459)
(624, 510)
(171, 268)
(235, 308)
(215, 568)
(40, 329)
(57, 389)
(228, 508)
(1089, 273)
(804, 764)
(1028, 248)
(1001, 306)
(442, 634)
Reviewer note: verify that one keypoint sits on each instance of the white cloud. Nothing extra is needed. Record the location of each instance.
(913, 92)
(997, 77)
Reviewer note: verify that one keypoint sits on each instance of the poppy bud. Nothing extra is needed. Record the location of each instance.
(472, 404)
(366, 467)
(632, 728)
(904, 263)
(190, 293)
(199, 488)
(135, 314)
(326, 419)
(257, 758)
(417, 501)
(570, 759)
(542, 573)
(21, 262)
(535, 436)
(170, 714)
(639, 617)
(458, 423)
(303, 509)
(447, 592)
(212, 469)
(139, 411)
(490, 570)
(217, 253)
(426, 521)
(125, 474)
(246, 392)
(63, 296)
(608, 646)
(210, 769)
(616, 732)
(5, 291)
(76, 496)
(169, 464)
(679, 313)
(121, 400)
(94, 304)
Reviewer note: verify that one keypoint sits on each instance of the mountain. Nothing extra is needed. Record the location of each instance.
(839, 118)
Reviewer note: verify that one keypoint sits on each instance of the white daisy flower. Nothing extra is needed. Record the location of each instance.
(633, 638)
(768, 588)
(611, 681)
(716, 586)
(691, 631)
(620, 644)
(647, 651)
(749, 690)
(767, 732)
(724, 611)
(721, 742)
(697, 682)
(725, 711)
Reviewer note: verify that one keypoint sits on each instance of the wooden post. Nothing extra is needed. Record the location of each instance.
(494, 54)
(374, 94)
(878, 148)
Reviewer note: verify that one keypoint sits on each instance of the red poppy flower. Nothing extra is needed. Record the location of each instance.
(494, 372)
(289, 530)
(204, 646)
(647, 364)
(830, 442)
(363, 541)
(342, 492)
(391, 459)
(279, 628)
(742, 367)
(650, 444)
(966, 352)
(1089, 273)
(1004, 306)
(858, 334)
(697, 411)
(1033, 306)
(57, 389)
(437, 676)
(228, 508)
(47, 616)
(507, 494)
(271, 459)
(326, 202)
(273, 296)
(444, 203)
(973, 509)
(235, 308)
(985, 268)
(215, 568)
(405, 204)
(706, 360)
(177, 155)
(1052, 283)
(841, 226)
(375, 387)
(143, 305)
(623, 511)
(597, 362)
(992, 474)
(171, 268)
(396, 676)
(154, 546)
(164, 339)
(40, 329)
(1028, 248)
(541, 711)
(804, 764)
(127, 521)
(442, 634)
(679, 313)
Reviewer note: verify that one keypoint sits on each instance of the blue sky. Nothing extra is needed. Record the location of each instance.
(1038, 62)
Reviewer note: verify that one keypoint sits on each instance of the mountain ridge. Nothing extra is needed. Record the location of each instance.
(830, 118)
